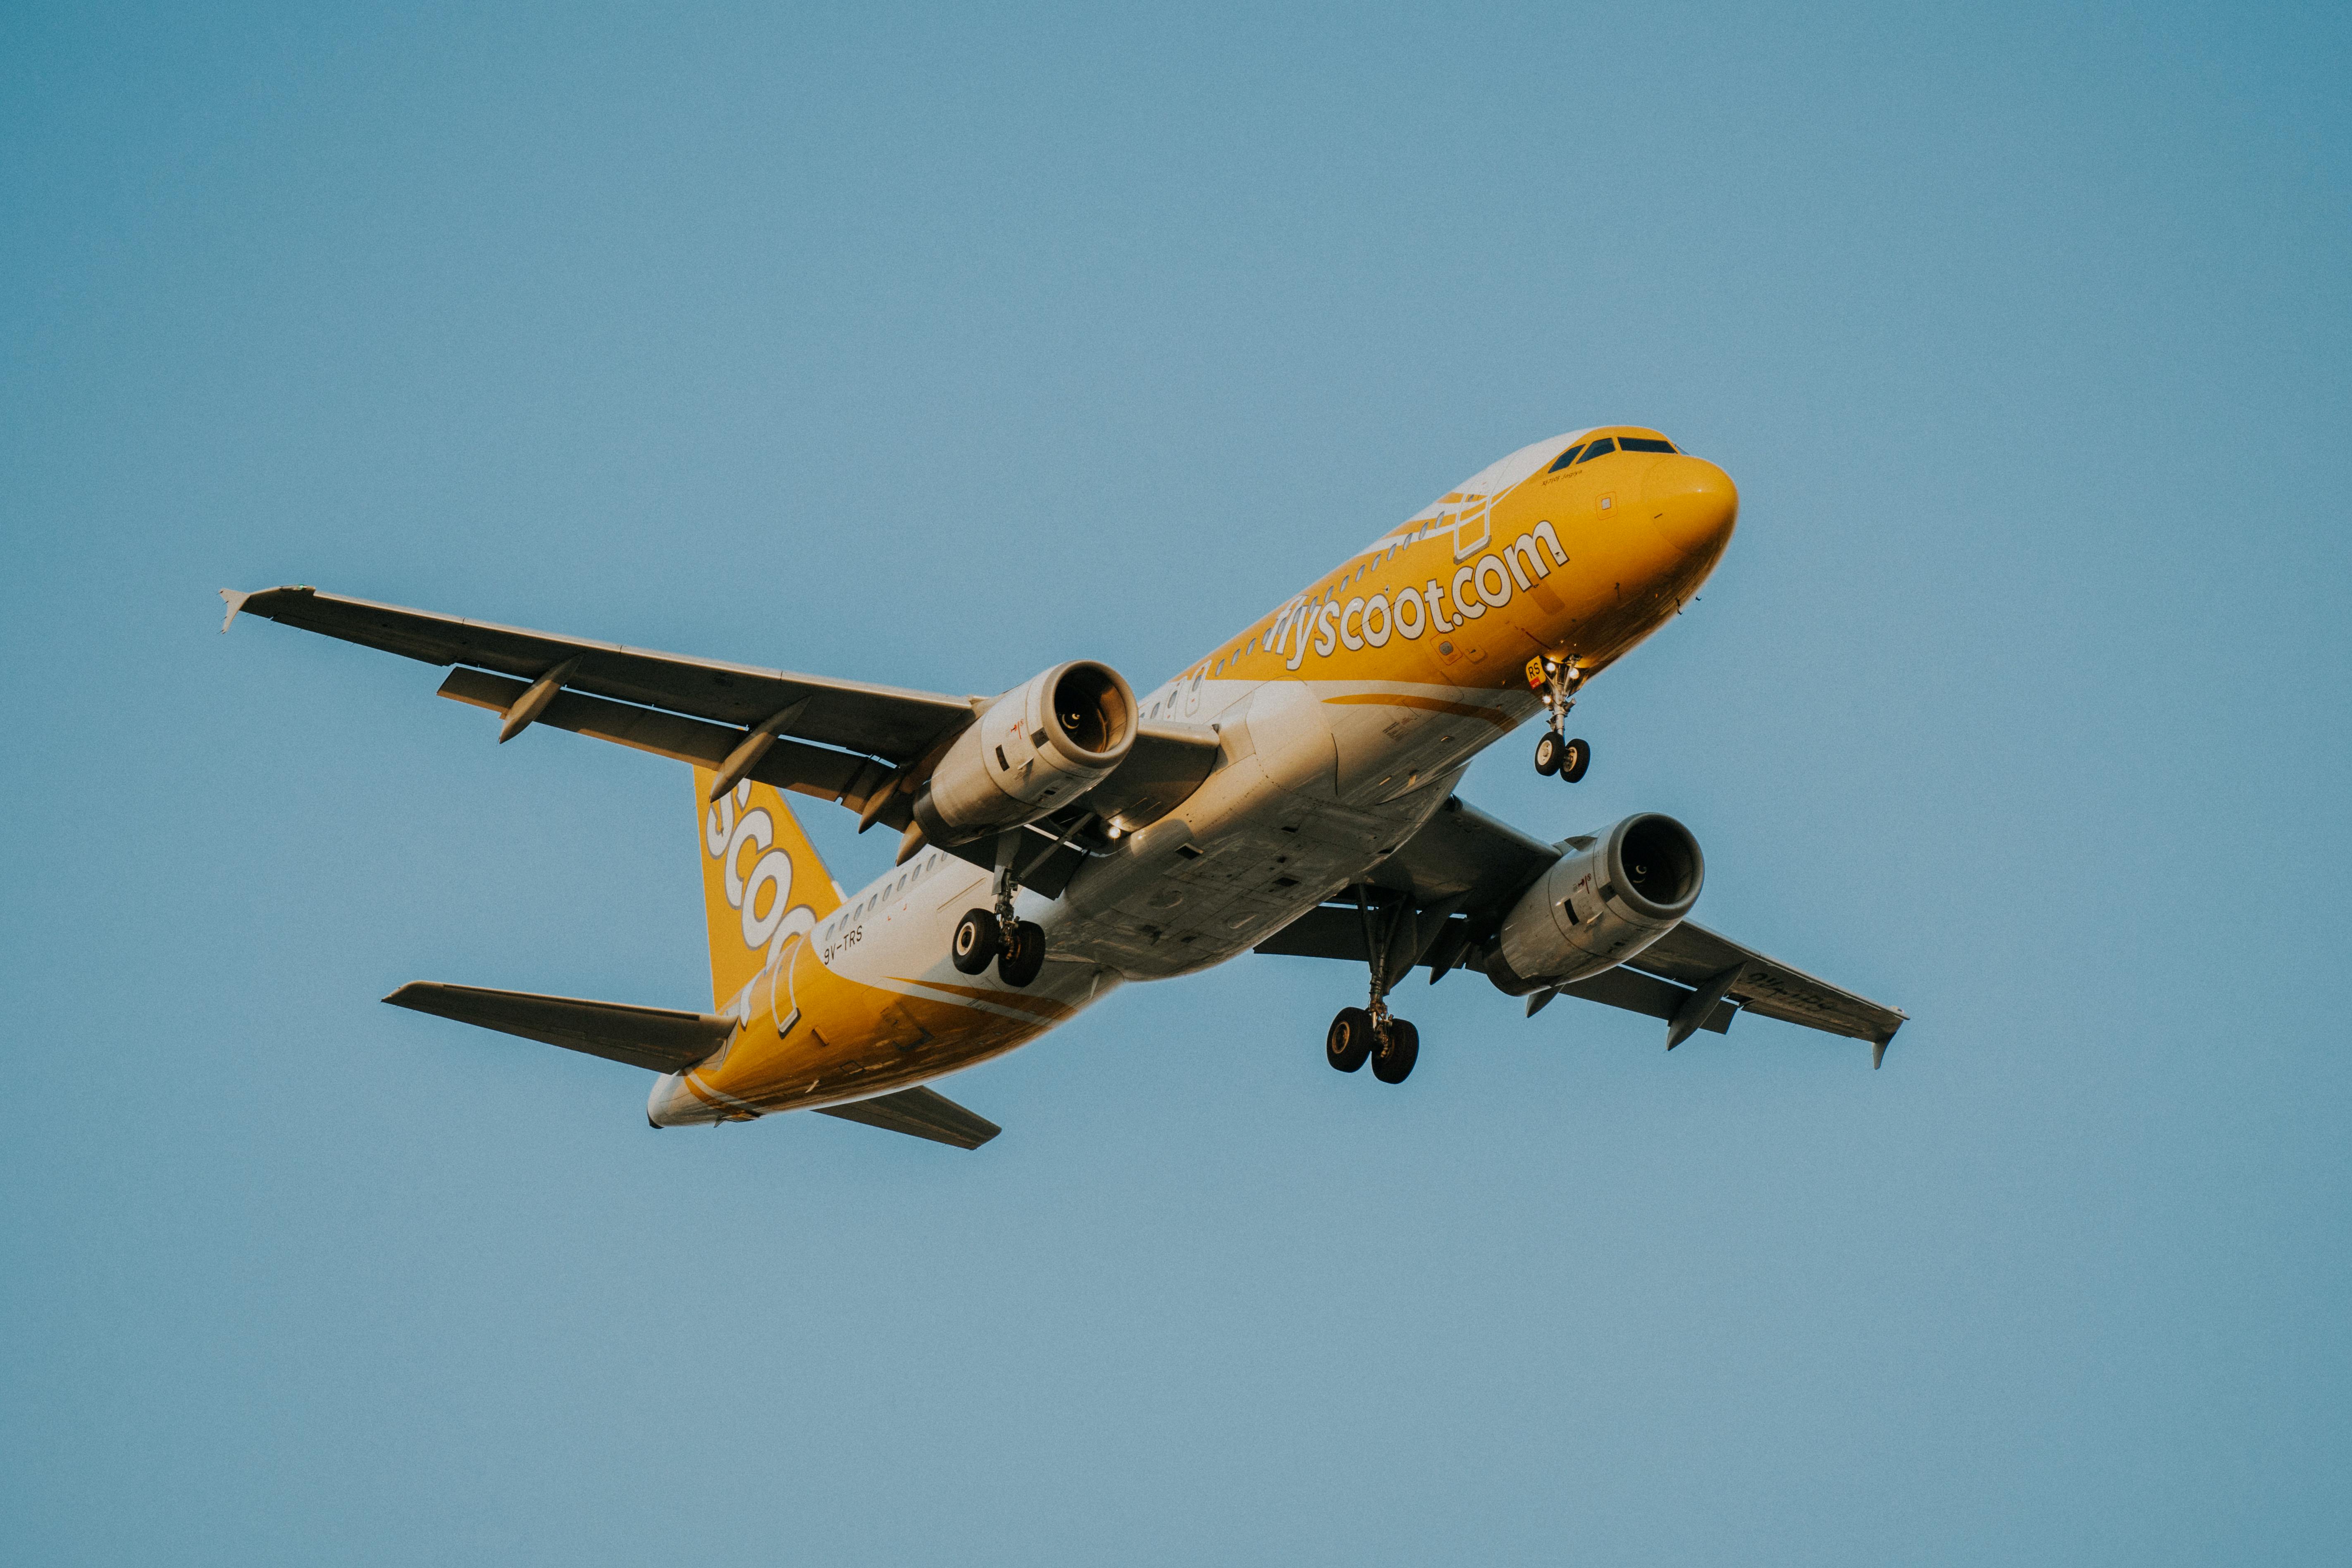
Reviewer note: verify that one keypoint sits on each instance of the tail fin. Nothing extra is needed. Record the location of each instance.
(761, 881)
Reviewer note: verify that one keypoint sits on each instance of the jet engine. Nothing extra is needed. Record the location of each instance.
(1610, 896)
(1035, 749)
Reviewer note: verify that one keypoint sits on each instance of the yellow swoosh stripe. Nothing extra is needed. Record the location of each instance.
(1397, 699)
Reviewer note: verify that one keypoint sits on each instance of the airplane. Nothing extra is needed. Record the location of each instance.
(1292, 791)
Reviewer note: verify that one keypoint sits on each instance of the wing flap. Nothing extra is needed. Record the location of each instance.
(787, 764)
(919, 1113)
(1690, 954)
(1648, 996)
(660, 1038)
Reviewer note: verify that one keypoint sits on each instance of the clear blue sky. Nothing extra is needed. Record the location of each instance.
(930, 347)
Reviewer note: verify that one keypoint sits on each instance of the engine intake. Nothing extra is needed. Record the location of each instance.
(1610, 896)
(1035, 749)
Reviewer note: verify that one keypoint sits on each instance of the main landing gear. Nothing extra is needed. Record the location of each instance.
(1017, 947)
(980, 941)
(1556, 753)
(1373, 1034)
(1390, 1043)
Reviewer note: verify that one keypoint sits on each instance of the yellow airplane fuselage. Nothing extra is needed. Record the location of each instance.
(1345, 717)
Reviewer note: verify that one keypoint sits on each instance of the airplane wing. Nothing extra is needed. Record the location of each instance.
(881, 721)
(663, 1039)
(841, 741)
(1457, 879)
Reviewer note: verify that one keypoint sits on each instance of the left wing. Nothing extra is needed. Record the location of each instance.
(1447, 888)
(1702, 960)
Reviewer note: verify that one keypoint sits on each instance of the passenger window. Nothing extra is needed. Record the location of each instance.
(1564, 460)
(1643, 444)
(1599, 448)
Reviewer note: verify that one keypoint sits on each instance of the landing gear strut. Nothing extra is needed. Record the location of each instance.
(994, 935)
(1373, 1033)
(1557, 681)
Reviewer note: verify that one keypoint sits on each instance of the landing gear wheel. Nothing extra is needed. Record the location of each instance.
(1351, 1039)
(1574, 758)
(976, 938)
(1025, 955)
(1393, 1058)
(1547, 751)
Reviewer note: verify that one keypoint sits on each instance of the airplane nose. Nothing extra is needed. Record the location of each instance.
(1692, 503)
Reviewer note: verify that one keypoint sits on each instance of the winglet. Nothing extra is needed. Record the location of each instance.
(237, 601)
(1878, 1052)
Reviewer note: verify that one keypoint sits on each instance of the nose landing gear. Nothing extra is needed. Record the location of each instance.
(1569, 758)
(1554, 753)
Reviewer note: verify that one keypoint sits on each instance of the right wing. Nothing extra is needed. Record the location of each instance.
(863, 745)
(1461, 874)
(880, 720)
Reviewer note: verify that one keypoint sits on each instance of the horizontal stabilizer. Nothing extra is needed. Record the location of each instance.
(659, 1038)
(919, 1113)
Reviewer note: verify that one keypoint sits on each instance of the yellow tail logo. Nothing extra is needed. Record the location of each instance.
(762, 884)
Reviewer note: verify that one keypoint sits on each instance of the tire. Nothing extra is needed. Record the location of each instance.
(1573, 760)
(1547, 755)
(1349, 1040)
(1393, 1058)
(973, 947)
(1020, 963)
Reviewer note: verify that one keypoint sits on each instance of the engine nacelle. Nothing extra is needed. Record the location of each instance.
(1035, 749)
(1599, 905)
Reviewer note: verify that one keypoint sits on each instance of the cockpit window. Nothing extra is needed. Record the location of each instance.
(1645, 444)
(1599, 448)
(1564, 460)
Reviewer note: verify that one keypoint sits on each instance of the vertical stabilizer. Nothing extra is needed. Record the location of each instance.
(762, 883)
